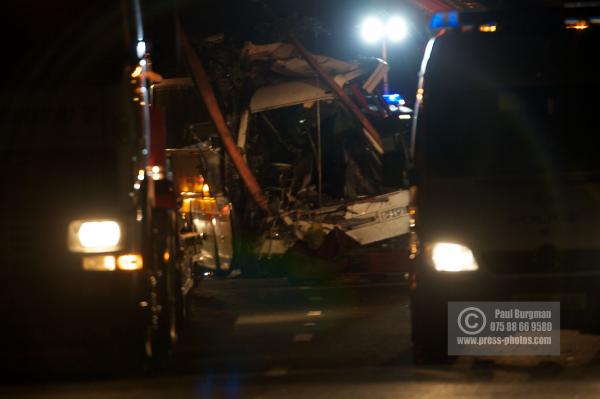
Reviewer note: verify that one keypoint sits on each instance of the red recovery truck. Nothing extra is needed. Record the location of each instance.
(90, 247)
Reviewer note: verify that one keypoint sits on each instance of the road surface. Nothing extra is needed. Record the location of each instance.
(263, 338)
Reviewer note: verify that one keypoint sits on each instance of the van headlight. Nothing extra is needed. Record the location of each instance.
(451, 257)
(92, 236)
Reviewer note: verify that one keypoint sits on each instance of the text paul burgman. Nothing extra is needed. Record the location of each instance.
(522, 314)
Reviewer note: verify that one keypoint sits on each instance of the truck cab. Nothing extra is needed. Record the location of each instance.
(506, 170)
(89, 250)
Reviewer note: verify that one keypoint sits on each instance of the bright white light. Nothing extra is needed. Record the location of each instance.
(372, 30)
(448, 257)
(140, 49)
(101, 234)
(157, 173)
(396, 29)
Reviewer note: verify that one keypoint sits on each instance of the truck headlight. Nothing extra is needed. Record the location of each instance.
(450, 257)
(93, 236)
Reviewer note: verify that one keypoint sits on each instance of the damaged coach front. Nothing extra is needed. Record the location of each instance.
(326, 149)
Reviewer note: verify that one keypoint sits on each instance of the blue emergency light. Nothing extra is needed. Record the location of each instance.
(578, 15)
(444, 19)
(393, 99)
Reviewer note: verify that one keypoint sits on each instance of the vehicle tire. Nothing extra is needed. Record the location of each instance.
(167, 302)
(247, 262)
(184, 307)
(250, 268)
(429, 352)
(429, 333)
(158, 329)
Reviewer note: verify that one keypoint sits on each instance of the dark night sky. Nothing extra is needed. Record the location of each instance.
(340, 20)
(62, 42)
(69, 42)
(75, 42)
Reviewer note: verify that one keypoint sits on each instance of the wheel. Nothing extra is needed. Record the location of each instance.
(250, 268)
(430, 352)
(184, 307)
(246, 261)
(173, 293)
(430, 347)
(167, 310)
(159, 326)
(429, 332)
